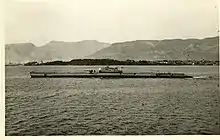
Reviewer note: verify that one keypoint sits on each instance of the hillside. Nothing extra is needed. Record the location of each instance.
(175, 49)
(54, 50)
(20, 52)
(194, 49)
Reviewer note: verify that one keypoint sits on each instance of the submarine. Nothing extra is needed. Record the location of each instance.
(107, 72)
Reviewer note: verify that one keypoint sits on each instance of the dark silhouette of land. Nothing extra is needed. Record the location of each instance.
(127, 62)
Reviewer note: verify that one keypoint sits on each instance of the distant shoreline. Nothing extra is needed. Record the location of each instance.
(94, 62)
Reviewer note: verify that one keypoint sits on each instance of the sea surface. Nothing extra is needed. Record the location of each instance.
(77, 106)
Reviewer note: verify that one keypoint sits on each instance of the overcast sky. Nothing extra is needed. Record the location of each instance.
(108, 20)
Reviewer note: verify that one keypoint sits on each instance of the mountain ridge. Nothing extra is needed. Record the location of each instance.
(53, 50)
(170, 49)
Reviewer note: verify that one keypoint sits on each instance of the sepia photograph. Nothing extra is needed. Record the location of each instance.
(111, 67)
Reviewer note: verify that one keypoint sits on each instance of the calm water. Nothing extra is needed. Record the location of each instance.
(71, 106)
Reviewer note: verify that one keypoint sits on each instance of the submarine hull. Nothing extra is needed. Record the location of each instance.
(108, 75)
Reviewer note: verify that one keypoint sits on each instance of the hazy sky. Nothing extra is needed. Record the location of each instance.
(40, 21)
